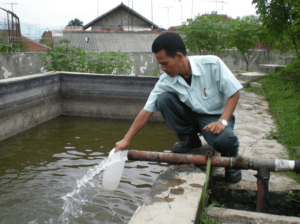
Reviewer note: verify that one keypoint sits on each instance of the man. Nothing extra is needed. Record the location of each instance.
(196, 94)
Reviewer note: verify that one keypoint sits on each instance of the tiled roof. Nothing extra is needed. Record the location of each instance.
(105, 41)
(34, 46)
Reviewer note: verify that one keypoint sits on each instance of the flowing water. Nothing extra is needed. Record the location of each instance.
(52, 173)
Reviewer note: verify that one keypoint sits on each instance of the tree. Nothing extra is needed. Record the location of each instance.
(64, 57)
(281, 18)
(75, 22)
(244, 35)
(266, 39)
(206, 33)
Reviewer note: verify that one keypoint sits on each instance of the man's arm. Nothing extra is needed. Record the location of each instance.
(217, 127)
(139, 122)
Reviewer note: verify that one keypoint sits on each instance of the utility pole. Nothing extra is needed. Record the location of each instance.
(98, 8)
(192, 10)
(181, 11)
(168, 7)
(36, 32)
(152, 12)
(29, 28)
(12, 5)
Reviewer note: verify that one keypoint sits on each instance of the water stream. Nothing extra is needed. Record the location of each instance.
(87, 187)
(52, 173)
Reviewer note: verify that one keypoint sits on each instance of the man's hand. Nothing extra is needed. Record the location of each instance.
(139, 122)
(215, 127)
(122, 145)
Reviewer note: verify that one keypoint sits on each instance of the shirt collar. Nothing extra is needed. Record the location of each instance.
(195, 71)
(194, 67)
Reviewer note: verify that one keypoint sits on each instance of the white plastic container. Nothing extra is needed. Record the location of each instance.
(112, 174)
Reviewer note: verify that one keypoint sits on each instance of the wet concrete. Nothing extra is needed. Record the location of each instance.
(173, 198)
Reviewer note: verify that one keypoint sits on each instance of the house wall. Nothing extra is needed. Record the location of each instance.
(20, 64)
(144, 63)
(120, 20)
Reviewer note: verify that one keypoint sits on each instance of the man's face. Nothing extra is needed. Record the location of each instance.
(169, 65)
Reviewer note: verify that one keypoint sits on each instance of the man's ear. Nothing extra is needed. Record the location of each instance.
(179, 55)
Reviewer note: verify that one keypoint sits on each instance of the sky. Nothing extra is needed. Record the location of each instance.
(38, 15)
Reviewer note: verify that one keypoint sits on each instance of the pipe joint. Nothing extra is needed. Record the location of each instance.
(297, 166)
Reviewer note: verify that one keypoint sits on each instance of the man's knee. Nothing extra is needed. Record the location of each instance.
(227, 145)
(164, 99)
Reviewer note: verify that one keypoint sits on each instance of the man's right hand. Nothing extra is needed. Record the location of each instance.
(139, 122)
(122, 145)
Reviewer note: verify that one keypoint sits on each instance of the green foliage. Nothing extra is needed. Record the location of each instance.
(203, 218)
(64, 57)
(75, 22)
(7, 48)
(265, 38)
(206, 33)
(281, 18)
(282, 90)
(244, 35)
(49, 31)
(155, 73)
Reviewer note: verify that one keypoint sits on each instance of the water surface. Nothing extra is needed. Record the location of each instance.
(40, 166)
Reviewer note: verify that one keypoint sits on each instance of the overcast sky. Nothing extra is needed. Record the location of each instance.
(57, 13)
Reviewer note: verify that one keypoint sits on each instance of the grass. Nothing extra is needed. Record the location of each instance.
(282, 90)
(203, 218)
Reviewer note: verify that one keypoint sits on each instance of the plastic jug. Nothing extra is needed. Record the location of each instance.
(112, 174)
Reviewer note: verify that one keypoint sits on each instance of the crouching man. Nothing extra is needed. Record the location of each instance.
(196, 94)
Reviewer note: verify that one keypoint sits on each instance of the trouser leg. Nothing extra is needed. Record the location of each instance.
(226, 142)
(185, 122)
(177, 115)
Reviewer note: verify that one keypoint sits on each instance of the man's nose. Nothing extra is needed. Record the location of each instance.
(163, 68)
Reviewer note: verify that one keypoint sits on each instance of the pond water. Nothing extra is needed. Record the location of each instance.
(40, 166)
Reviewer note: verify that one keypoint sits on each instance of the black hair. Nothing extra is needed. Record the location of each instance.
(170, 42)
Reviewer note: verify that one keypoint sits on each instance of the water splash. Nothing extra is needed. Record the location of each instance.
(86, 188)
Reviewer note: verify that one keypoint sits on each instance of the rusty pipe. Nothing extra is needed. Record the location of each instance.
(277, 165)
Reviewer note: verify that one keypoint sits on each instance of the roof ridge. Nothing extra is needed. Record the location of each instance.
(113, 9)
(35, 42)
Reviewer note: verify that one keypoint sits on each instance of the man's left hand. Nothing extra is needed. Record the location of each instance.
(215, 127)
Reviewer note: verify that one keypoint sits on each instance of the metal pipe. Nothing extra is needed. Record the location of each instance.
(263, 167)
(263, 177)
(277, 165)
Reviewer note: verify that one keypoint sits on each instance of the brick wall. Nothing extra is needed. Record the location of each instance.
(34, 46)
(48, 36)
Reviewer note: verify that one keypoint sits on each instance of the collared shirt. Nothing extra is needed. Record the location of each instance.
(212, 84)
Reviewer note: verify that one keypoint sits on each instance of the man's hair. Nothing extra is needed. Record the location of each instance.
(170, 42)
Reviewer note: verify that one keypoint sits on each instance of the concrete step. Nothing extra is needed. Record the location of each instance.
(237, 216)
(250, 76)
(267, 68)
(243, 83)
(255, 84)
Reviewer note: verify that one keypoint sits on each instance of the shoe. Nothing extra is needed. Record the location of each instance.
(187, 144)
(233, 175)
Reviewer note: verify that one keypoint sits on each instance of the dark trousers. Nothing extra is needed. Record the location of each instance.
(186, 122)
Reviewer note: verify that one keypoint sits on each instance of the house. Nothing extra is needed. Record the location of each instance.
(121, 18)
(110, 40)
(120, 29)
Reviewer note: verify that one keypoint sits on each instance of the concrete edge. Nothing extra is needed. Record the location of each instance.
(238, 216)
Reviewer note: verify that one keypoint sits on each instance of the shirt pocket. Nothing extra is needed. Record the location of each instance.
(212, 98)
(183, 97)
